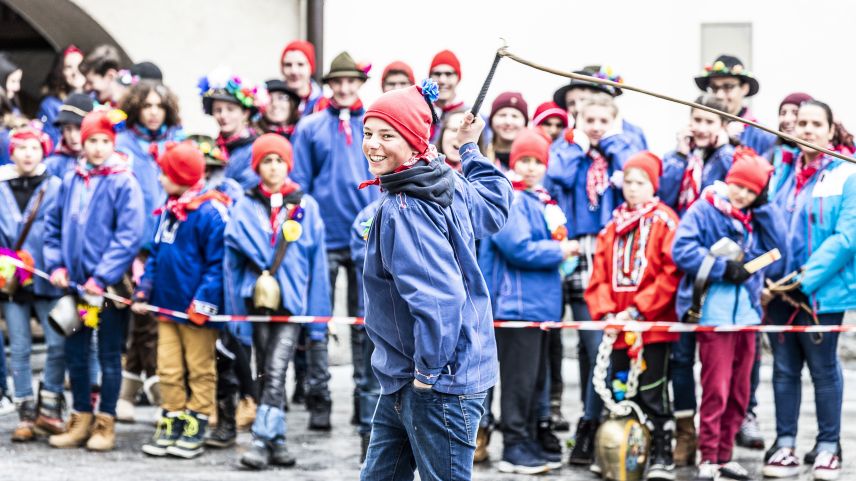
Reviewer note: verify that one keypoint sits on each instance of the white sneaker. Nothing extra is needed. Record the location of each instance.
(6, 405)
(783, 463)
(733, 470)
(707, 471)
(827, 466)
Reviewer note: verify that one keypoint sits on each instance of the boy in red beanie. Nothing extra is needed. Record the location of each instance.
(634, 278)
(551, 118)
(275, 264)
(445, 69)
(297, 64)
(736, 210)
(431, 351)
(184, 273)
(521, 267)
(396, 75)
(91, 238)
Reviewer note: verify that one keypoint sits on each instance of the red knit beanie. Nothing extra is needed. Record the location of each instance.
(548, 110)
(648, 163)
(183, 163)
(272, 144)
(529, 143)
(398, 66)
(446, 57)
(513, 100)
(407, 112)
(796, 98)
(303, 47)
(97, 122)
(19, 136)
(749, 170)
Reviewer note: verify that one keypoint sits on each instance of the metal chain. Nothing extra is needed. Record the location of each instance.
(601, 368)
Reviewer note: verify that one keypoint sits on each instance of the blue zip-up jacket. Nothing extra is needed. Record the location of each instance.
(427, 305)
(781, 170)
(96, 230)
(566, 181)
(521, 265)
(185, 265)
(634, 135)
(47, 113)
(4, 146)
(12, 222)
(359, 230)
(700, 228)
(330, 170)
(760, 140)
(239, 167)
(147, 171)
(716, 167)
(822, 234)
(303, 276)
(59, 164)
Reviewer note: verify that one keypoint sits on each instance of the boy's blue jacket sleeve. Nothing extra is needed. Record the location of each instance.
(210, 290)
(52, 248)
(688, 250)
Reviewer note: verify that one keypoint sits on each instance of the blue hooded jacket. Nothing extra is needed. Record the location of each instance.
(359, 231)
(427, 305)
(239, 167)
(759, 140)
(716, 166)
(47, 113)
(303, 276)
(822, 234)
(521, 264)
(330, 170)
(12, 222)
(96, 230)
(781, 170)
(566, 181)
(634, 136)
(59, 164)
(700, 228)
(185, 265)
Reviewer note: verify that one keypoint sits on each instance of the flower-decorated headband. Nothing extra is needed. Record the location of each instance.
(719, 68)
(430, 92)
(221, 82)
(126, 78)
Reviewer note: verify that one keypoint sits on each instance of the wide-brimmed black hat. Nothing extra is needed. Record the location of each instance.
(72, 111)
(277, 85)
(592, 71)
(727, 66)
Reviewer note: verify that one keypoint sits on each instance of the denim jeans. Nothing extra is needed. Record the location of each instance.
(426, 430)
(589, 343)
(111, 338)
(4, 386)
(683, 375)
(17, 317)
(790, 352)
(369, 389)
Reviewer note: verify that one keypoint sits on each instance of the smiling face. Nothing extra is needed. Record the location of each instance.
(231, 117)
(449, 140)
(71, 71)
(637, 188)
(730, 91)
(395, 80)
(530, 170)
(27, 156)
(506, 123)
(788, 118)
(384, 147)
(740, 197)
(296, 71)
(13, 83)
(813, 126)
(447, 80)
(97, 149)
(101, 85)
(704, 127)
(279, 109)
(597, 120)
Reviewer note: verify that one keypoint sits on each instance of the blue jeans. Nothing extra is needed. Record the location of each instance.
(426, 430)
(590, 342)
(21, 343)
(369, 388)
(111, 338)
(790, 352)
(4, 386)
(683, 376)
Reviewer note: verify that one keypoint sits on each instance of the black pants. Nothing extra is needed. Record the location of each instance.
(341, 258)
(522, 369)
(555, 353)
(653, 393)
(234, 374)
(274, 344)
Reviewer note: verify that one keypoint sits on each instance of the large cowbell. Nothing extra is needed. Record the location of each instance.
(622, 444)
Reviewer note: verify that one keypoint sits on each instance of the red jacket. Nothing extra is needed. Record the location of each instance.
(623, 277)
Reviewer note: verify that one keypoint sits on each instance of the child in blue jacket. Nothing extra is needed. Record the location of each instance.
(736, 210)
(91, 238)
(276, 235)
(184, 273)
(64, 158)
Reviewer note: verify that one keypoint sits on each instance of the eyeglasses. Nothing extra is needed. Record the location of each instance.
(726, 87)
(441, 73)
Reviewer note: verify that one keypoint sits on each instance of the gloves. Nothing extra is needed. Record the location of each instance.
(735, 273)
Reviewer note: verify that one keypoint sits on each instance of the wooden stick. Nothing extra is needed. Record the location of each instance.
(762, 261)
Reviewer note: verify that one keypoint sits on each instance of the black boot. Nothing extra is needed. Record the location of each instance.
(365, 439)
(355, 418)
(224, 434)
(319, 412)
(583, 450)
(548, 441)
(299, 395)
(559, 423)
(257, 455)
(662, 464)
(279, 455)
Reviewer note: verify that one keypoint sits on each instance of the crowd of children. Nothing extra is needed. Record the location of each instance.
(507, 217)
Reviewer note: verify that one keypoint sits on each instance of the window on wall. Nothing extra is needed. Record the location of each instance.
(726, 38)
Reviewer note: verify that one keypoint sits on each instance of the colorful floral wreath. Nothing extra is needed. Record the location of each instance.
(220, 82)
(719, 68)
(606, 73)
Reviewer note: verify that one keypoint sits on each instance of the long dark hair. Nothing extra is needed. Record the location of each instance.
(6, 69)
(841, 137)
(55, 84)
(136, 98)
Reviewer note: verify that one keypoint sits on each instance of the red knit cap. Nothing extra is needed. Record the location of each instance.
(272, 144)
(749, 170)
(97, 122)
(398, 66)
(529, 143)
(548, 110)
(303, 47)
(648, 163)
(446, 57)
(407, 112)
(19, 136)
(512, 100)
(183, 163)
(796, 98)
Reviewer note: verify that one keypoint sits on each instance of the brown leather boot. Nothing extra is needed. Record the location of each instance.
(245, 414)
(49, 420)
(686, 442)
(76, 431)
(482, 440)
(27, 416)
(103, 433)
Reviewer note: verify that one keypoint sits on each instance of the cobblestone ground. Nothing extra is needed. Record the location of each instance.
(335, 455)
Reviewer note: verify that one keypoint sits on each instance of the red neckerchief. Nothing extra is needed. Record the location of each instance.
(288, 187)
(626, 219)
(190, 200)
(726, 208)
(224, 142)
(283, 130)
(691, 181)
(345, 120)
(805, 172)
(428, 155)
(103, 170)
(597, 177)
(64, 149)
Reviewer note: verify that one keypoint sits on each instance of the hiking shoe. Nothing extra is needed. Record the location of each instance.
(170, 427)
(519, 459)
(189, 444)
